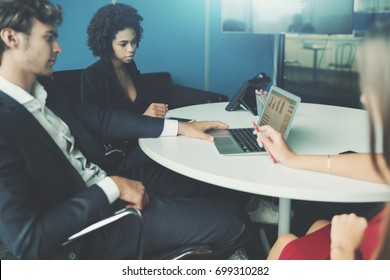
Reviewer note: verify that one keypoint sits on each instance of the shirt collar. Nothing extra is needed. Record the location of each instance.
(22, 96)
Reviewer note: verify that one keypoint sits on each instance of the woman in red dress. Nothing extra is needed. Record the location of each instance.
(348, 236)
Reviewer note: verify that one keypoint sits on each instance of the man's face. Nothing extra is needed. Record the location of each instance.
(38, 51)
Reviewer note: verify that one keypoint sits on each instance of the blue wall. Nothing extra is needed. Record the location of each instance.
(174, 41)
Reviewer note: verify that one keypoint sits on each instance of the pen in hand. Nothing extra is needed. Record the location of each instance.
(259, 135)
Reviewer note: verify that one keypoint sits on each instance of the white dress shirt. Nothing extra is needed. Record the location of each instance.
(92, 174)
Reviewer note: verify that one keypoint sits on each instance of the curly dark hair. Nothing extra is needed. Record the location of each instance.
(107, 22)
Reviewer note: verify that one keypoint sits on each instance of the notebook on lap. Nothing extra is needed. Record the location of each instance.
(278, 112)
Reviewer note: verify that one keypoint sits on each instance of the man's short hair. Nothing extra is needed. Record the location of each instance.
(19, 14)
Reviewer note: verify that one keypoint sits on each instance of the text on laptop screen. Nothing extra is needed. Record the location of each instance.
(278, 112)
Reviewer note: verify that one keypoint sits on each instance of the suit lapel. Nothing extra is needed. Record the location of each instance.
(26, 120)
(84, 141)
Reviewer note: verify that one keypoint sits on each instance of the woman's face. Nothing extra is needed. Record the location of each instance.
(125, 45)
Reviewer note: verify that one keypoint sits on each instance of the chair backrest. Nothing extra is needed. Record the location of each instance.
(70, 82)
(156, 85)
(345, 55)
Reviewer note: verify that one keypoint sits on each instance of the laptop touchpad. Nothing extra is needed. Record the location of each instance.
(227, 145)
(224, 141)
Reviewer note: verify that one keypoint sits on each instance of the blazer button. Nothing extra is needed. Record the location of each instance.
(72, 256)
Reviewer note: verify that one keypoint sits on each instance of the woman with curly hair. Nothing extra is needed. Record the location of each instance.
(114, 33)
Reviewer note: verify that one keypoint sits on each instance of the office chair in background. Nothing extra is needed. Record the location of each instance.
(344, 58)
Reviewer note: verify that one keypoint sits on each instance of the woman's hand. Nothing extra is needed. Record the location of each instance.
(274, 142)
(197, 129)
(157, 110)
(346, 235)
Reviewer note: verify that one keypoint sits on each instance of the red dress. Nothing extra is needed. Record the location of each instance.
(316, 245)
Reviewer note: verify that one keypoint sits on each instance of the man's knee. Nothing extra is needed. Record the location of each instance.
(234, 226)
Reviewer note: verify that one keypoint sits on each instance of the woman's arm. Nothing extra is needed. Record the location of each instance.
(357, 166)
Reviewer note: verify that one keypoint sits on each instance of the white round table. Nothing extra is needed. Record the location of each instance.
(316, 129)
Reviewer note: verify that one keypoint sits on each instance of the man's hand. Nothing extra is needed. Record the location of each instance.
(197, 129)
(157, 110)
(132, 192)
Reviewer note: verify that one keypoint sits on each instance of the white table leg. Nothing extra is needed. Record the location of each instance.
(284, 216)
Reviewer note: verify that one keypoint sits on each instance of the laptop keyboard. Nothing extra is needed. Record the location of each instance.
(246, 139)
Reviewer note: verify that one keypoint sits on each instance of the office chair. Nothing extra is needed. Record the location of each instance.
(344, 58)
(293, 69)
(169, 254)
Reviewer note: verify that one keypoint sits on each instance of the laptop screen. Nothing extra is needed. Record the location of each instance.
(279, 110)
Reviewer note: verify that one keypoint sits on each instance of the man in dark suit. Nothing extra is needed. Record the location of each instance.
(51, 181)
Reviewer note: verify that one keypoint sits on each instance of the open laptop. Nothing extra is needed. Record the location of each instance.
(278, 112)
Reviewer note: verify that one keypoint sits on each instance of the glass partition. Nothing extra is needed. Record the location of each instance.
(292, 16)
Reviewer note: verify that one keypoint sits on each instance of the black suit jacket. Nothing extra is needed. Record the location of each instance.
(100, 86)
(43, 199)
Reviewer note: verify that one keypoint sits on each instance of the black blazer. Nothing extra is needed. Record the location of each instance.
(100, 86)
(43, 199)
